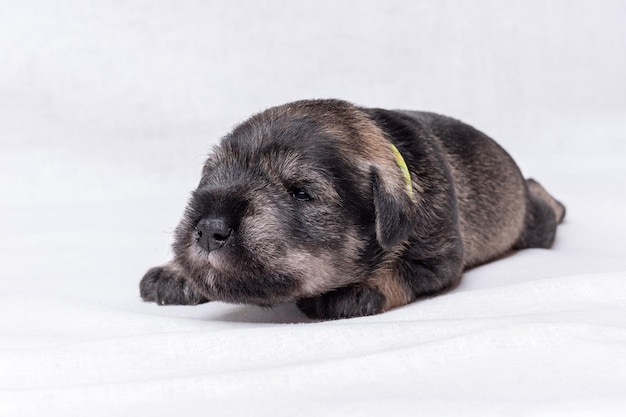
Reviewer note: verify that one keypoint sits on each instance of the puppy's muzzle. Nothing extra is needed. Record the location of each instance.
(213, 233)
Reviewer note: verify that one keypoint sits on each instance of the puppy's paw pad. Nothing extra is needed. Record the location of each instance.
(353, 301)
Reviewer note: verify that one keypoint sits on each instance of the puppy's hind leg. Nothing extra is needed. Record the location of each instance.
(543, 215)
(168, 284)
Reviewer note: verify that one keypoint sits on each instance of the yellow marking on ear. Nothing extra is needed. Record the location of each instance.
(404, 168)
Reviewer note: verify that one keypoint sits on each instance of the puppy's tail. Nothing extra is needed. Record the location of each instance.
(537, 191)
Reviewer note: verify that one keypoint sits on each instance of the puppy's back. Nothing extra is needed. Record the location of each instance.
(490, 189)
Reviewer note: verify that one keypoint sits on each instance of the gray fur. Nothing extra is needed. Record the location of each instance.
(318, 212)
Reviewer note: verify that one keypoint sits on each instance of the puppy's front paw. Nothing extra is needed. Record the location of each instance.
(352, 301)
(167, 285)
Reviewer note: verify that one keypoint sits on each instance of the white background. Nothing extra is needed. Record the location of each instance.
(108, 108)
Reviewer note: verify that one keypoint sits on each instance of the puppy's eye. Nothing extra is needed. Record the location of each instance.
(300, 194)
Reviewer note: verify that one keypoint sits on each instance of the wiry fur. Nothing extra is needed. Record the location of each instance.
(357, 242)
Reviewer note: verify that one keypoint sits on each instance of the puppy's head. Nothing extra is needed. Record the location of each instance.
(296, 201)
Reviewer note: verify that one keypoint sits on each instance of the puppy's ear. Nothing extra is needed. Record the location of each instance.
(395, 211)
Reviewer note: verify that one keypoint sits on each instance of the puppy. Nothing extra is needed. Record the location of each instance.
(348, 211)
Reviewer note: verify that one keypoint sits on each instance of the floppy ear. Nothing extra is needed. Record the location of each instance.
(395, 212)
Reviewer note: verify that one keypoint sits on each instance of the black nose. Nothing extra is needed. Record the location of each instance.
(211, 234)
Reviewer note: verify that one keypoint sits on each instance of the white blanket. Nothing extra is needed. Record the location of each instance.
(104, 121)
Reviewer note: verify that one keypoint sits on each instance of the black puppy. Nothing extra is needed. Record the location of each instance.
(348, 211)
